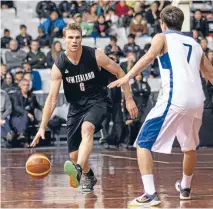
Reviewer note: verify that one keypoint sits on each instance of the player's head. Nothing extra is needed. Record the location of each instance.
(171, 18)
(73, 37)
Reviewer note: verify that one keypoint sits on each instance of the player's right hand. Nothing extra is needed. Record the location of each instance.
(40, 134)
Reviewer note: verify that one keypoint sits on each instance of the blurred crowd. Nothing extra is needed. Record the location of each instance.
(20, 78)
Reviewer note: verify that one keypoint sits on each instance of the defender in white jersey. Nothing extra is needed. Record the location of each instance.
(178, 112)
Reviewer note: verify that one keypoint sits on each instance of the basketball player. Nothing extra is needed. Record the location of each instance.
(79, 68)
(178, 112)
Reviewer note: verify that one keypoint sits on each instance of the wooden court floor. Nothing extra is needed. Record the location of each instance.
(118, 180)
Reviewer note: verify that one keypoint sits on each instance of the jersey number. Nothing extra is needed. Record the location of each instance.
(82, 87)
(190, 51)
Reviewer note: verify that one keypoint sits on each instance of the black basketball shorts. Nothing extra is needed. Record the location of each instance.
(95, 114)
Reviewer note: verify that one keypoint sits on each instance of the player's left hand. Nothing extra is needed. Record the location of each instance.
(119, 82)
(132, 108)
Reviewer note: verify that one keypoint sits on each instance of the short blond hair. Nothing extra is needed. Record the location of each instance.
(72, 26)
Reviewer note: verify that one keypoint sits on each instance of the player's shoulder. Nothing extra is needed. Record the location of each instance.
(60, 61)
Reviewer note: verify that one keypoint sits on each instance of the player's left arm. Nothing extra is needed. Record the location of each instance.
(112, 67)
(206, 69)
(156, 49)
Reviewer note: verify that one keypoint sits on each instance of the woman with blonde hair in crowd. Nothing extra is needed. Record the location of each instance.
(53, 53)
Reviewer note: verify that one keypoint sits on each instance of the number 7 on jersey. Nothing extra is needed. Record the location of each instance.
(190, 51)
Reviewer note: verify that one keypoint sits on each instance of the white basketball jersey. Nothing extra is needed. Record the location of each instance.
(180, 71)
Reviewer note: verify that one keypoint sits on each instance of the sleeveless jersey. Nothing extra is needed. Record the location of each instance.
(82, 82)
(180, 71)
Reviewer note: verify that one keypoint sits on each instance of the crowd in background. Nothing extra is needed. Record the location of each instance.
(19, 77)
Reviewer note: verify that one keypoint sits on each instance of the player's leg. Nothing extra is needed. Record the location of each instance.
(157, 134)
(188, 137)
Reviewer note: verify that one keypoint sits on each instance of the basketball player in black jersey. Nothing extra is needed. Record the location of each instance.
(79, 68)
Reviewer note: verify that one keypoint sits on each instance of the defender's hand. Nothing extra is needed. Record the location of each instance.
(119, 82)
(40, 133)
(132, 108)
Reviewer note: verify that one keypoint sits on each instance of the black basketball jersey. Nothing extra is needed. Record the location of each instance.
(82, 82)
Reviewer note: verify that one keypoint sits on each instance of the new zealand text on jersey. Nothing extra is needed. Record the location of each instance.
(80, 78)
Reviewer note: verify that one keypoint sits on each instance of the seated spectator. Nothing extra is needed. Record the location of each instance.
(127, 19)
(68, 9)
(44, 8)
(200, 24)
(131, 46)
(24, 106)
(137, 7)
(15, 56)
(113, 47)
(210, 56)
(7, 4)
(35, 77)
(82, 6)
(35, 57)
(204, 45)
(153, 14)
(101, 27)
(113, 19)
(5, 40)
(43, 39)
(6, 110)
(87, 28)
(53, 53)
(91, 15)
(8, 85)
(24, 39)
(103, 6)
(3, 73)
(138, 26)
(18, 77)
(131, 60)
(53, 26)
(121, 8)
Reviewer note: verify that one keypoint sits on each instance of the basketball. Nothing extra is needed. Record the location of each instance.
(38, 166)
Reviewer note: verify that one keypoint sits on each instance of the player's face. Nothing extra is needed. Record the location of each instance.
(73, 40)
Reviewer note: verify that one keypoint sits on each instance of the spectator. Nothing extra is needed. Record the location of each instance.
(153, 14)
(103, 6)
(67, 9)
(113, 47)
(131, 46)
(87, 28)
(6, 110)
(3, 73)
(137, 7)
(35, 57)
(101, 27)
(131, 60)
(53, 53)
(82, 6)
(15, 56)
(7, 4)
(127, 19)
(200, 24)
(204, 45)
(138, 26)
(210, 56)
(113, 19)
(91, 15)
(18, 77)
(53, 26)
(24, 40)
(8, 85)
(121, 8)
(35, 76)
(43, 39)
(5, 40)
(45, 8)
(24, 106)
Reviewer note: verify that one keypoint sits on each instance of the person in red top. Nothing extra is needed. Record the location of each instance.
(121, 8)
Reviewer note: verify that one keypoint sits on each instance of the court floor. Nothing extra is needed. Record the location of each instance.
(118, 180)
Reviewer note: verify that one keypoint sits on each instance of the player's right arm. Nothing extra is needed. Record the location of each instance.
(206, 69)
(50, 103)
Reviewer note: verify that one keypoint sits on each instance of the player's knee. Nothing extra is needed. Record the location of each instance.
(87, 129)
(74, 157)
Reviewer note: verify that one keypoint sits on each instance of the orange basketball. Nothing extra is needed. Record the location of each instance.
(38, 166)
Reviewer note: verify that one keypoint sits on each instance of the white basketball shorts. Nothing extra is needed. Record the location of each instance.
(164, 122)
